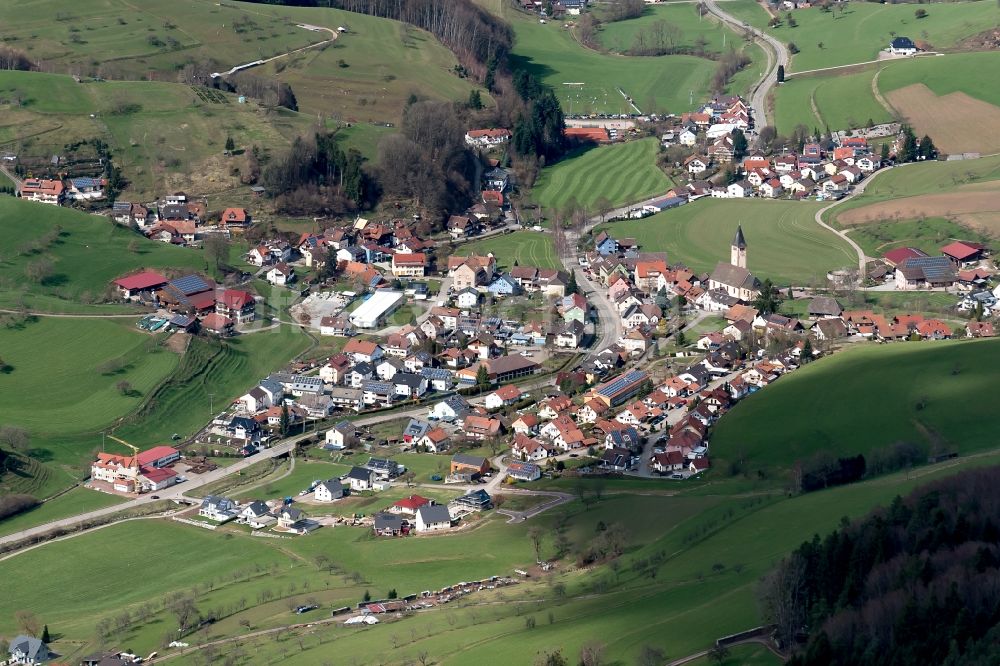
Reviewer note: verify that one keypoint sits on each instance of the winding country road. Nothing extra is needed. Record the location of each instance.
(777, 54)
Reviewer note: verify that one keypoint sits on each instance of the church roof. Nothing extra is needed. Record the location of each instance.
(739, 241)
(734, 276)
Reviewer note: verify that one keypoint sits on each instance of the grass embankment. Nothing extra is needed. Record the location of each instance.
(211, 374)
(367, 73)
(784, 241)
(72, 503)
(863, 399)
(620, 174)
(521, 248)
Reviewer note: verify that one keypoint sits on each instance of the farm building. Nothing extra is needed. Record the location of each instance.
(374, 311)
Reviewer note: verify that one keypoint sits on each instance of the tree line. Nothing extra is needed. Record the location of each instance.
(912, 583)
(317, 175)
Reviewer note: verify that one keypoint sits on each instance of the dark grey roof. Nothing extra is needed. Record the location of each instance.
(359, 474)
(463, 459)
(387, 521)
(258, 508)
(739, 240)
(434, 513)
(333, 485)
(31, 647)
(408, 379)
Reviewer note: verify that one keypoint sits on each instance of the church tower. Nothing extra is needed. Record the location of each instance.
(738, 251)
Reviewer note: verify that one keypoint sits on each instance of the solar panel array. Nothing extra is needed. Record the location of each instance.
(619, 383)
(934, 268)
(190, 284)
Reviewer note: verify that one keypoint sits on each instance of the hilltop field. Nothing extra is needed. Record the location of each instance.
(928, 92)
(855, 32)
(383, 60)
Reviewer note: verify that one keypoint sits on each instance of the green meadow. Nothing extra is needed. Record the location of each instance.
(834, 405)
(708, 550)
(522, 248)
(784, 241)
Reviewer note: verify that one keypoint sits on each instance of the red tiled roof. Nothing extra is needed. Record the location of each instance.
(143, 280)
(962, 249)
(413, 502)
(155, 453)
(236, 299)
(901, 254)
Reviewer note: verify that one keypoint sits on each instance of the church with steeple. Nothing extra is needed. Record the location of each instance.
(734, 278)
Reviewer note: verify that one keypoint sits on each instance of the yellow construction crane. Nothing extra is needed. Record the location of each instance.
(135, 454)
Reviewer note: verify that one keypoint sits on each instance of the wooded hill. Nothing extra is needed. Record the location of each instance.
(915, 583)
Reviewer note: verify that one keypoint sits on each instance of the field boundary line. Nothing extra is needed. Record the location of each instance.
(879, 97)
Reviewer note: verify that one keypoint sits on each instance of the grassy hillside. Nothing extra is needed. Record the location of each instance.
(620, 35)
(785, 243)
(712, 550)
(661, 84)
(847, 100)
(622, 173)
(226, 371)
(163, 135)
(912, 180)
(86, 253)
(861, 30)
(384, 61)
(835, 405)
(527, 248)
(975, 74)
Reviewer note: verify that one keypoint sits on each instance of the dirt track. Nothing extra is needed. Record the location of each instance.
(936, 117)
(976, 206)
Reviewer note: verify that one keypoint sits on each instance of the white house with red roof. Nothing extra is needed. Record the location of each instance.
(237, 305)
(409, 505)
(235, 218)
(487, 138)
(502, 397)
(43, 191)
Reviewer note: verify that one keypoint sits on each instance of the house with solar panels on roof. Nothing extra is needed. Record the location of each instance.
(190, 292)
(85, 189)
(925, 273)
(619, 390)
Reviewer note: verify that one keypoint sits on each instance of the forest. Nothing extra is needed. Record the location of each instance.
(917, 582)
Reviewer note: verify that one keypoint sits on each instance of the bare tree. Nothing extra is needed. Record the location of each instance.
(592, 654)
(535, 535)
(217, 249)
(14, 437)
(28, 623)
(124, 387)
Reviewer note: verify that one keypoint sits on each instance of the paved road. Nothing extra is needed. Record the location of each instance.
(862, 259)
(175, 492)
(521, 516)
(777, 55)
(13, 178)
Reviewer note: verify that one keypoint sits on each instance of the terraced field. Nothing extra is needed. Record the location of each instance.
(621, 173)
